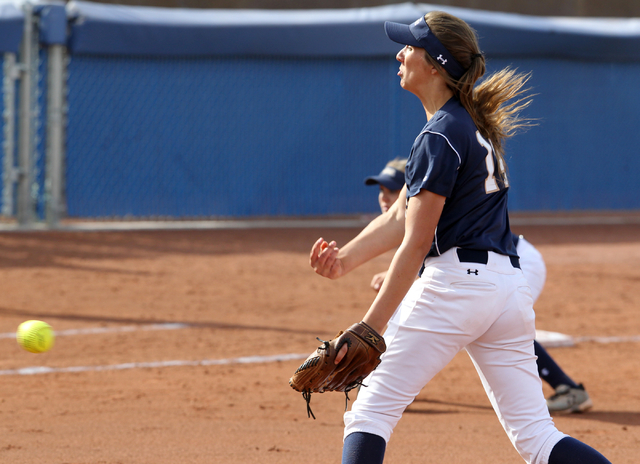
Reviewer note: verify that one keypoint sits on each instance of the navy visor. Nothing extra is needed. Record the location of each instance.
(419, 35)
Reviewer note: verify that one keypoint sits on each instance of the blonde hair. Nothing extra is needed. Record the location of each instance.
(494, 104)
(399, 164)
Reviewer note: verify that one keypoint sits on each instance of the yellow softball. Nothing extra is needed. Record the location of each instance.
(35, 336)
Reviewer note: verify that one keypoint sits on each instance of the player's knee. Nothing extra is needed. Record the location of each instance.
(535, 445)
(362, 422)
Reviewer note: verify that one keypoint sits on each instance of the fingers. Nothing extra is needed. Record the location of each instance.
(378, 279)
(342, 353)
(315, 251)
(323, 257)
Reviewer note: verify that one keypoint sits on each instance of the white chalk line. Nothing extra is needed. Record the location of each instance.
(546, 338)
(33, 370)
(557, 340)
(101, 330)
(605, 340)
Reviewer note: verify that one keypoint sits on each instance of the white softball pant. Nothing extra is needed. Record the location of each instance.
(448, 309)
(533, 267)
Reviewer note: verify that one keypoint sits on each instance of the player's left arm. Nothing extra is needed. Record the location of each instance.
(382, 234)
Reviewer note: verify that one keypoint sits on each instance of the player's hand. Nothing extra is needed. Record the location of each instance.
(376, 282)
(342, 353)
(324, 259)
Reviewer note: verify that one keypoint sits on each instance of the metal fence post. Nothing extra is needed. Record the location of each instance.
(25, 202)
(56, 118)
(11, 73)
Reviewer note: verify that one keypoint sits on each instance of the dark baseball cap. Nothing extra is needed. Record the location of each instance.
(420, 35)
(392, 176)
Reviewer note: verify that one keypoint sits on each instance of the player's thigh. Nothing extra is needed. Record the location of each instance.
(506, 363)
(511, 381)
(412, 359)
(505, 358)
(438, 317)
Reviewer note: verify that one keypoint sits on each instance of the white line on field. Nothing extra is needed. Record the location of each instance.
(605, 340)
(116, 367)
(100, 330)
(33, 370)
(546, 338)
(557, 340)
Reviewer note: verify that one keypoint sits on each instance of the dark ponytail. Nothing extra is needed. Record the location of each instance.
(487, 103)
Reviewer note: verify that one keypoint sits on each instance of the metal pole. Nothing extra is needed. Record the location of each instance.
(25, 203)
(9, 172)
(55, 134)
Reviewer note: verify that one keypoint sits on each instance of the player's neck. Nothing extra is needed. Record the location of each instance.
(433, 101)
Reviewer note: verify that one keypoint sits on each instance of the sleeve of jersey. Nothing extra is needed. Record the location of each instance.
(433, 166)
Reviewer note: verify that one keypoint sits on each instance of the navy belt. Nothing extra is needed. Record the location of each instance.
(466, 255)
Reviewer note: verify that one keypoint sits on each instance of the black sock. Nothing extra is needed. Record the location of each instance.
(363, 448)
(571, 451)
(549, 371)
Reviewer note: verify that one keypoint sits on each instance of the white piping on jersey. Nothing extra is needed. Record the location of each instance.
(445, 137)
(435, 241)
(435, 234)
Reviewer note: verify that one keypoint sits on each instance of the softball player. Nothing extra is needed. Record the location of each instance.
(454, 233)
(390, 181)
(569, 396)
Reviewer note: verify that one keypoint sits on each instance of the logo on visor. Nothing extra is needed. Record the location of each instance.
(442, 60)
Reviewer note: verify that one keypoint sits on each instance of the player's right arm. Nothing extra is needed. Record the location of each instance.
(382, 234)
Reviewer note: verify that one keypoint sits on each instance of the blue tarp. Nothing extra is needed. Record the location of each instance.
(11, 27)
(100, 29)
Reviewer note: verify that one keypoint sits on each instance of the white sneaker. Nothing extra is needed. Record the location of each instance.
(567, 399)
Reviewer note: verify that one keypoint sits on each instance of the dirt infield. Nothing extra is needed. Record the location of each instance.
(155, 329)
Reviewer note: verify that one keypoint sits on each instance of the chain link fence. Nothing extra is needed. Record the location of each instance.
(132, 136)
(226, 137)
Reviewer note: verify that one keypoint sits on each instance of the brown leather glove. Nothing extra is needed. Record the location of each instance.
(319, 373)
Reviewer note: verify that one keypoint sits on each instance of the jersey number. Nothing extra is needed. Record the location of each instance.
(490, 183)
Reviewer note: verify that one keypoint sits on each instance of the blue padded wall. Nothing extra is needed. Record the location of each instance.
(181, 118)
(2, 137)
(231, 137)
(582, 155)
(281, 137)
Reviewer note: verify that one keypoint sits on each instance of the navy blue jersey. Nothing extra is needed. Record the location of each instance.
(450, 158)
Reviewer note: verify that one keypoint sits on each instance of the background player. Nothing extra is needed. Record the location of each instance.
(569, 396)
(453, 231)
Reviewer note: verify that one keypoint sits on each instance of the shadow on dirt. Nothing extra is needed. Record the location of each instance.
(147, 321)
(447, 407)
(67, 249)
(443, 407)
(56, 249)
(612, 417)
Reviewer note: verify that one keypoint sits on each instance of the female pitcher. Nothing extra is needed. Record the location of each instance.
(454, 232)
